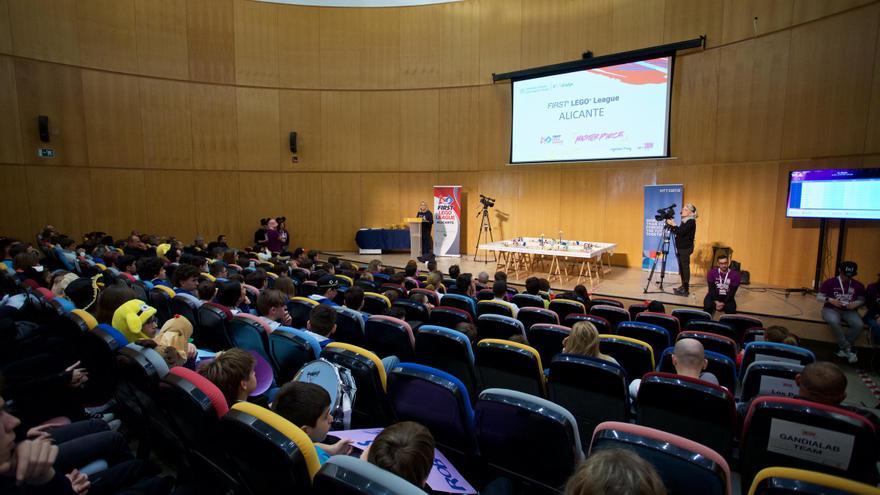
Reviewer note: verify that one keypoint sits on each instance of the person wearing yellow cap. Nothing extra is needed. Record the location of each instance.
(136, 320)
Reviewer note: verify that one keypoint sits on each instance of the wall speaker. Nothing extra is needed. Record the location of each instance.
(43, 126)
(293, 142)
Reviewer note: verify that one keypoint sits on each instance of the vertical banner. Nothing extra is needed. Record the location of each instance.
(447, 220)
(657, 197)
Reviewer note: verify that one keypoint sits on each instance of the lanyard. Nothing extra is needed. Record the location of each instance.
(726, 276)
(842, 290)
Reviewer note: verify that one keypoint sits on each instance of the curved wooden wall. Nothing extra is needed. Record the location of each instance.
(172, 116)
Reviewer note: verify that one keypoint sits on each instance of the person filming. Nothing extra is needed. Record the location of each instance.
(723, 283)
(684, 245)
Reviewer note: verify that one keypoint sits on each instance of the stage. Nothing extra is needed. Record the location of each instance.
(798, 312)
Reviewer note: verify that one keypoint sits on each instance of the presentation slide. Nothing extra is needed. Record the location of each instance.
(835, 193)
(606, 113)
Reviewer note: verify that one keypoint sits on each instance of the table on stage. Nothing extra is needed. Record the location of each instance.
(523, 254)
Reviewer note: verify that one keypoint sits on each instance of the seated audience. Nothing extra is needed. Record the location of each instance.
(470, 330)
(136, 320)
(405, 449)
(186, 279)
(423, 299)
(308, 406)
(533, 287)
(272, 306)
(499, 290)
(231, 294)
(615, 472)
(689, 359)
(843, 295)
(775, 333)
(584, 340)
(464, 285)
(151, 271)
(328, 286)
(656, 307)
(322, 324)
(233, 373)
(110, 299)
(825, 383)
(285, 284)
(207, 290)
(257, 278)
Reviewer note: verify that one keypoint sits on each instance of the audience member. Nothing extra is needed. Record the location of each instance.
(257, 278)
(615, 472)
(110, 299)
(842, 296)
(136, 320)
(689, 359)
(322, 324)
(656, 307)
(328, 286)
(533, 287)
(272, 306)
(150, 270)
(464, 285)
(825, 383)
(454, 272)
(186, 279)
(233, 373)
(584, 340)
(285, 284)
(499, 290)
(470, 330)
(723, 283)
(231, 294)
(207, 290)
(405, 449)
(308, 406)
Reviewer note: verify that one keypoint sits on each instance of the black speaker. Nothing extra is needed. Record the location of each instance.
(43, 126)
(293, 142)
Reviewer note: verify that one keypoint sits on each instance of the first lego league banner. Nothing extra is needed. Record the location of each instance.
(447, 220)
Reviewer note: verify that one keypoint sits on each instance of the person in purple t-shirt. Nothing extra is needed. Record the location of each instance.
(842, 296)
(723, 283)
(872, 302)
(273, 237)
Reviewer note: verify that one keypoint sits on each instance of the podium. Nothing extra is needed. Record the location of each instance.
(415, 236)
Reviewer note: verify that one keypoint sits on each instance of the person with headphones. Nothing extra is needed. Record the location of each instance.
(684, 245)
(843, 295)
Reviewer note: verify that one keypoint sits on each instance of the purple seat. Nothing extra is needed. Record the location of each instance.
(547, 339)
(600, 323)
(532, 315)
(613, 314)
(389, 336)
(664, 320)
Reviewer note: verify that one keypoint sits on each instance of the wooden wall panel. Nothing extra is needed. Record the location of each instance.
(504, 187)
(217, 207)
(419, 136)
(56, 91)
(161, 38)
(380, 131)
(695, 95)
(740, 23)
(113, 119)
(827, 92)
(458, 129)
(60, 196)
(166, 122)
(172, 203)
(545, 186)
(807, 10)
(636, 24)
(121, 202)
(5, 28)
(340, 205)
(380, 49)
(10, 135)
(562, 31)
(380, 206)
(501, 39)
(688, 19)
(699, 189)
(257, 111)
(583, 204)
(107, 34)
(260, 196)
(14, 198)
(45, 29)
(301, 194)
(421, 39)
(494, 121)
(459, 51)
(214, 127)
(301, 112)
(872, 135)
(625, 209)
(340, 42)
(415, 187)
(752, 80)
(299, 50)
(340, 131)
(256, 43)
(210, 29)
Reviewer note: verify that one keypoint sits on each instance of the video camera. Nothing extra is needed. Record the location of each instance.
(486, 201)
(664, 214)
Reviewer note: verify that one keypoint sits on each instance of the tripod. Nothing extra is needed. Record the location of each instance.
(484, 234)
(662, 253)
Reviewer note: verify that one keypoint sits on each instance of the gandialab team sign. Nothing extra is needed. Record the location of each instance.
(447, 220)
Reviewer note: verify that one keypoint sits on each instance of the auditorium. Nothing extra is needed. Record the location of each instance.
(396, 247)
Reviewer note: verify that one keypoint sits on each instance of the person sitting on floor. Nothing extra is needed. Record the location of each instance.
(689, 359)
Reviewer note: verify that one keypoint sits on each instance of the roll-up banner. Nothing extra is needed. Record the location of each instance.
(447, 220)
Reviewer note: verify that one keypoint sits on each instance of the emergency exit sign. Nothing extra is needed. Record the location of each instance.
(45, 153)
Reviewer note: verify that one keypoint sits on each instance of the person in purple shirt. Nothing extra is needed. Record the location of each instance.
(723, 283)
(273, 237)
(842, 296)
(872, 302)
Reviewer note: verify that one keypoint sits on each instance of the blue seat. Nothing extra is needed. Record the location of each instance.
(414, 310)
(547, 339)
(492, 326)
(492, 307)
(536, 427)
(449, 317)
(448, 350)
(769, 378)
(593, 390)
(511, 365)
(531, 315)
(713, 342)
(462, 302)
(299, 309)
(774, 351)
(349, 326)
(719, 365)
(249, 332)
(213, 330)
(685, 315)
(715, 327)
(741, 323)
(655, 336)
(186, 305)
(614, 315)
(635, 356)
(436, 400)
(669, 322)
(524, 300)
(347, 475)
(290, 349)
(565, 307)
(375, 303)
(389, 336)
(160, 298)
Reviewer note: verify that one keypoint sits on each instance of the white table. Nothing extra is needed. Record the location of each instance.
(524, 253)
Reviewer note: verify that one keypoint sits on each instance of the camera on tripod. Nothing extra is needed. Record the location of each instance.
(664, 214)
(486, 201)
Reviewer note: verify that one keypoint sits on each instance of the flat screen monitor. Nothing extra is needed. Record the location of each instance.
(834, 193)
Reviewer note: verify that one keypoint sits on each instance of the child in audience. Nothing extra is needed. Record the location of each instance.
(775, 333)
(233, 373)
(308, 406)
(151, 271)
(231, 294)
(110, 299)
(272, 305)
(470, 330)
(615, 472)
(186, 279)
(136, 320)
(285, 284)
(322, 324)
(405, 449)
(207, 290)
(584, 340)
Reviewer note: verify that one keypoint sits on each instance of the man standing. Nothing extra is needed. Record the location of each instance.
(842, 296)
(427, 222)
(684, 245)
(723, 283)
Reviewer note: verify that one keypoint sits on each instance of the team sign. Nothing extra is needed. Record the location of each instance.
(810, 443)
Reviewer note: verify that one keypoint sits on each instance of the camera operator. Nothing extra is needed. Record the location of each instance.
(684, 245)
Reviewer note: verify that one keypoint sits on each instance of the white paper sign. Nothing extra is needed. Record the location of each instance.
(810, 443)
(778, 359)
(774, 385)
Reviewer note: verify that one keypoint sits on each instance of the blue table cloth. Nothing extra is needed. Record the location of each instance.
(384, 239)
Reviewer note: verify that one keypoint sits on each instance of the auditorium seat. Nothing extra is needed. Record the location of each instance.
(96, 350)
(437, 400)
(634, 356)
(160, 298)
(271, 454)
(685, 315)
(493, 326)
(251, 333)
(565, 307)
(389, 336)
(791, 481)
(774, 351)
(712, 342)
(669, 322)
(710, 326)
(485, 295)
(741, 323)
(449, 317)
(344, 280)
(511, 365)
(299, 309)
(613, 314)
(789, 432)
(290, 349)
(414, 310)
(528, 301)
(347, 475)
(603, 301)
(688, 407)
(723, 367)
(186, 305)
(684, 465)
(591, 389)
(462, 302)
(308, 288)
(600, 323)
(375, 303)
(531, 315)
(367, 285)
(410, 283)
(655, 336)
(517, 431)
(349, 326)
(753, 335)
(83, 320)
(371, 408)
(212, 333)
(635, 309)
(769, 378)
(432, 295)
(547, 339)
(401, 291)
(447, 350)
(493, 307)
